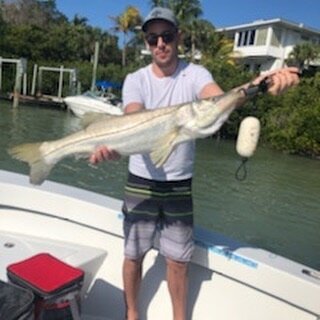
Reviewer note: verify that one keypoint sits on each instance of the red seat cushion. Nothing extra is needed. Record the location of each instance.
(45, 273)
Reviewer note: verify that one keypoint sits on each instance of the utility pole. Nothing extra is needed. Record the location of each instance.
(95, 65)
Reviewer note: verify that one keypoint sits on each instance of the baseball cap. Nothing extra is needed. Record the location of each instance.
(159, 13)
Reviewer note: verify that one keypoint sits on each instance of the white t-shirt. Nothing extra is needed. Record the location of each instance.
(144, 87)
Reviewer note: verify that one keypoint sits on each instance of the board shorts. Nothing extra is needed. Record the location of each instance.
(163, 207)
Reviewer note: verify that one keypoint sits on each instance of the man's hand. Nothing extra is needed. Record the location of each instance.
(280, 80)
(102, 153)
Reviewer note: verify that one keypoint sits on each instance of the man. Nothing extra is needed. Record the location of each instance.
(159, 199)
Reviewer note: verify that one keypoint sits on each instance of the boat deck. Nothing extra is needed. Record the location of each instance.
(103, 299)
(227, 280)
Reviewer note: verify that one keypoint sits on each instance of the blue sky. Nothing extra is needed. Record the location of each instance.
(221, 13)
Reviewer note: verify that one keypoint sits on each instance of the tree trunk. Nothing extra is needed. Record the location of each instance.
(124, 50)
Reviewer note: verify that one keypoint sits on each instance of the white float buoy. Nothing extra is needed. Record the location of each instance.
(248, 137)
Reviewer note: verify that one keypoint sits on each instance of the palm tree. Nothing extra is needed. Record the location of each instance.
(126, 23)
(215, 48)
(302, 55)
(200, 36)
(186, 11)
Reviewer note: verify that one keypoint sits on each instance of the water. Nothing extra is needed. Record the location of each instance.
(277, 207)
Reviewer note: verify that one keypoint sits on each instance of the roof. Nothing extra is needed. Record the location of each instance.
(279, 21)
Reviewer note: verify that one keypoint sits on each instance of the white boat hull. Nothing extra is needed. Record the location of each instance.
(228, 280)
(82, 104)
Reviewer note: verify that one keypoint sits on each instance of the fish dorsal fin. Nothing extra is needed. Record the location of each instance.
(164, 148)
(94, 117)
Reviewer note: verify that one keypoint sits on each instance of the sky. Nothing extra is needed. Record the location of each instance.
(221, 13)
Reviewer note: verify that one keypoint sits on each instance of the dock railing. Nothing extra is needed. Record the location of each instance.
(20, 84)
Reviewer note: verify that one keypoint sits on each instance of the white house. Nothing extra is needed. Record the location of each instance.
(265, 44)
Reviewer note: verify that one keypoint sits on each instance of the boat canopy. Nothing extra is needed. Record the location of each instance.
(105, 84)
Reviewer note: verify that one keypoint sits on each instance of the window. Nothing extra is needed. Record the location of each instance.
(246, 38)
(240, 39)
(262, 37)
(252, 37)
(276, 37)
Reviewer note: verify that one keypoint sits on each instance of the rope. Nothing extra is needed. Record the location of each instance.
(241, 173)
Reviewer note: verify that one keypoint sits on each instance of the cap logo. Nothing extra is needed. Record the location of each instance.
(156, 14)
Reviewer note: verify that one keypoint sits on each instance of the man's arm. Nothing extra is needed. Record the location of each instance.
(133, 107)
(280, 81)
(210, 90)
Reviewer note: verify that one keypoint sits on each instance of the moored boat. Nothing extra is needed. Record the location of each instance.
(92, 102)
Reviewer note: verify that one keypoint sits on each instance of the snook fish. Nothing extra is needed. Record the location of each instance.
(150, 131)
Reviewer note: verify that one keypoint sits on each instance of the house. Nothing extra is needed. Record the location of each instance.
(265, 44)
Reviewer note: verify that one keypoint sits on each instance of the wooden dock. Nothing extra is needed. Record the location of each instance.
(45, 101)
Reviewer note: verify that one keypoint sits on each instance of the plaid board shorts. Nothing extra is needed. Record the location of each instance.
(163, 207)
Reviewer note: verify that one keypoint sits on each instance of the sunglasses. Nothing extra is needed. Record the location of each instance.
(167, 37)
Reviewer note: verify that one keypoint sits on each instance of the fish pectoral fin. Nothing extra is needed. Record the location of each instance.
(166, 144)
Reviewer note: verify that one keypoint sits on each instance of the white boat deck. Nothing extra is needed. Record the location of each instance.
(228, 280)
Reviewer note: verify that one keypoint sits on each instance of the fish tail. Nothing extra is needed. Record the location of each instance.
(30, 153)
